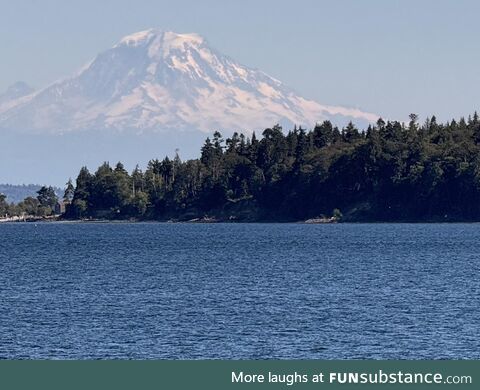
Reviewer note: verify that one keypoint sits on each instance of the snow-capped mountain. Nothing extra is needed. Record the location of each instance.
(154, 81)
(14, 92)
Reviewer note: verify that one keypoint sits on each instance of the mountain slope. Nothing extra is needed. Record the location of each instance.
(13, 93)
(154, 81)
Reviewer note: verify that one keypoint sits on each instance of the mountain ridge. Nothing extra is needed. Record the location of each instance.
(154, 80)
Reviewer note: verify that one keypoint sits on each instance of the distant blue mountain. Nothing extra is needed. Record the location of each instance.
(16, 193)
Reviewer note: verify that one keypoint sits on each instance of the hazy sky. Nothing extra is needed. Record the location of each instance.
(388, 57)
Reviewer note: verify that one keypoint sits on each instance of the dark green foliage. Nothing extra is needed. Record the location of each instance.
(29, 206)
(43, 205)
(390, 171)
(47, 200)
(69, 192)
(4, 206)
(16, 193)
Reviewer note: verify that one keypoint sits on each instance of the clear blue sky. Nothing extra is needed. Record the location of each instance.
(388, 57)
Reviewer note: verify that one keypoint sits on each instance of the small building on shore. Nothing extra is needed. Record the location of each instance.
(60, 207)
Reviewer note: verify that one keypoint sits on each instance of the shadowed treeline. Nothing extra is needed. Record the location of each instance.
(390, 171)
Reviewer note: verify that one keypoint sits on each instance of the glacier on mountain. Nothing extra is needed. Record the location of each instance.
(156, 81)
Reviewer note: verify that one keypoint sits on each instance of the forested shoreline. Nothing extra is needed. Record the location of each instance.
(390, 171)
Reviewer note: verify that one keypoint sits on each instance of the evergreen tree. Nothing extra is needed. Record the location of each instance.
(69, 192)
(47, 200)
(323, 134)
(390, 171)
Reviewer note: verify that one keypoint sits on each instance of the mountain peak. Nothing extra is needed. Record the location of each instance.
(165, 38)
(154, 80)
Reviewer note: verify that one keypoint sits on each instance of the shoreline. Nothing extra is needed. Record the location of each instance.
(219, 221)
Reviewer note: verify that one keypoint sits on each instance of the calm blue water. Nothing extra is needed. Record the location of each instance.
(188, 291)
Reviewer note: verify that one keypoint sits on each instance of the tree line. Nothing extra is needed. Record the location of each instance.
(391, 171)
(43, 205)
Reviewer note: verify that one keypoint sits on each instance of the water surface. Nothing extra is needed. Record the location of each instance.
(256, 291)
